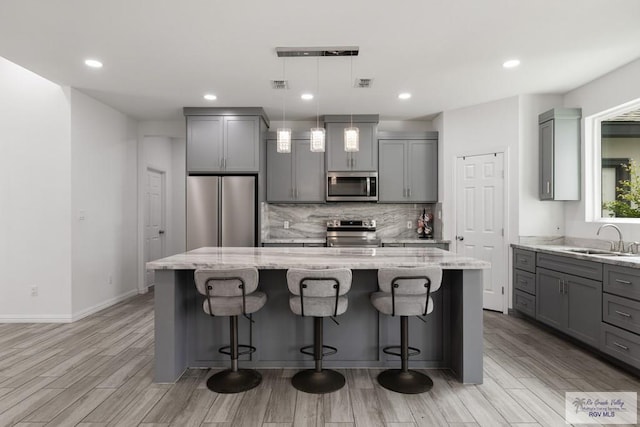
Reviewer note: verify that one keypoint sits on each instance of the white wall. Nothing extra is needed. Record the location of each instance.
(178, 187)
(615, 88)
(537, 218)
(35, 197)
(480, 129)
(104, 189)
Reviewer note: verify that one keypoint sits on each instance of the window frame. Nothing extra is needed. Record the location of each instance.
(593, 162)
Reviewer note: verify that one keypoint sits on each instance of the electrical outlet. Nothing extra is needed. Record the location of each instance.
(409, 224)
(34, 291)
(110, 279)
(286, 225)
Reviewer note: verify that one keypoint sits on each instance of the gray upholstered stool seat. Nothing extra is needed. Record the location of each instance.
(318, 294)
(231, 292)
(405, 292)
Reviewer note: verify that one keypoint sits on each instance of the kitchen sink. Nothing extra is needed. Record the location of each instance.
(599, 252)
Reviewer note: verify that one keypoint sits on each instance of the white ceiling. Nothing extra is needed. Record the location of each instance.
(162, 55)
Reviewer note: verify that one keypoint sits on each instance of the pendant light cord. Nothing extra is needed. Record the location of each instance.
(284, 90)
(317, 91)
(351, 89)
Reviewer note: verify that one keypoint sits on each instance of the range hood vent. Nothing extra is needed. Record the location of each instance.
(363, 83)
(318, 51)
(279, 84)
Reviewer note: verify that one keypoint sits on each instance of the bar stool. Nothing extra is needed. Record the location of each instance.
(320, 294)
(405, 292)
(231, 292)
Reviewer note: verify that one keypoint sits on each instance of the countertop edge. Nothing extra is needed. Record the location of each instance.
(622, 261)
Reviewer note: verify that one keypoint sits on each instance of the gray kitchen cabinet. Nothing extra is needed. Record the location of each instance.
(559, 145)
(297, 176)
(408, 171)
(524, 282)
(223, 140)
(620, 335)
(569, 296)
(366, 158)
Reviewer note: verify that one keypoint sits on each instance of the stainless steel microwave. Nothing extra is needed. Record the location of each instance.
(352, 186)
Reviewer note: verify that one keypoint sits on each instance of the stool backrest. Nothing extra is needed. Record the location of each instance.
(411, 280)
(315, 285)
(226, 283)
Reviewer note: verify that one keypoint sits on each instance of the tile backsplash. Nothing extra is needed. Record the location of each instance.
(309, 220)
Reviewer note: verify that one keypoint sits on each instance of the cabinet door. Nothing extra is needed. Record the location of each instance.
(584, 308)
(392, 185)
(549, 298)
(366, 158)
(545, 135)
(204, 143)
(309, 174)
(422, 171)
(279, 174)
(242, 144)
(337, 158)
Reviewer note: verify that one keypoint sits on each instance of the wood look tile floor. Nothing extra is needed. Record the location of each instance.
(98, 372)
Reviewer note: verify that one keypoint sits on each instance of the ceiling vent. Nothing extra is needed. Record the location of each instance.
(279, 84)
(318, 51)
(363, 83)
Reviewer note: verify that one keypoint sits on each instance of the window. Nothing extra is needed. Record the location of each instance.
(620, 177)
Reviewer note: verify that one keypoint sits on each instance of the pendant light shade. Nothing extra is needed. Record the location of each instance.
(351, 139)
(317, 139)
(283, 143)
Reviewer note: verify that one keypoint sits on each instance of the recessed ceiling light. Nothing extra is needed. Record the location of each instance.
(307, 96)
(210, 97)
(93, 63)
(404, 95)
(512, 63)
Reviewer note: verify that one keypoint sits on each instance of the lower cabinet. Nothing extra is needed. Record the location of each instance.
(571, 304)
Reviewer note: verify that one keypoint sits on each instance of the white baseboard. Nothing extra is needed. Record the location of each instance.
(101, 306)
(31, 318)
(63, 318)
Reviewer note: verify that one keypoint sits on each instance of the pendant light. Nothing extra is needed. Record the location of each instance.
(283, 134)
(351, 134)
(317, 142)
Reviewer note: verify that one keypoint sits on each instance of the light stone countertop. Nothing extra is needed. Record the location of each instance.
(624, 261)
(295, 240)
(412, 240)
(283, 258)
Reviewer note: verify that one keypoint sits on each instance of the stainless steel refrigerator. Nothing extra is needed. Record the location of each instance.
(221, 211)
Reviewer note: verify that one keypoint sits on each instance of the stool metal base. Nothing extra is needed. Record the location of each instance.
(407, 382)
(312, 381)
(229, 381)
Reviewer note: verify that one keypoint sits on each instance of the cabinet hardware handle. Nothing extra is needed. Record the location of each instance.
(297, 193)
(625, 282)
(622, 313)
(559, 286)
(292, 193)
(548, 187)
(522, 281)
(524, 261)
(524, 303)
(564, 286)
(408, 192)
(624, 347)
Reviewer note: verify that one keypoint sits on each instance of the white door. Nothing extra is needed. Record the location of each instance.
(480, 220)
(153, 220)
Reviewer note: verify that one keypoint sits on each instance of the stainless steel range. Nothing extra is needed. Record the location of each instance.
(351, 233)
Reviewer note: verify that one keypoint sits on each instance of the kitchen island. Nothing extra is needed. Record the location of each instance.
(186, 337)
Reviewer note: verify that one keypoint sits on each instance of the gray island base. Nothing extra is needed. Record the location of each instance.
(186, 337)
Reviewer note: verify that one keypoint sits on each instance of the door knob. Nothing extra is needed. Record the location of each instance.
(161, 232)
(461, 238)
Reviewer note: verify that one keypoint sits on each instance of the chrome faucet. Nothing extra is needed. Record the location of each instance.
(613, 244)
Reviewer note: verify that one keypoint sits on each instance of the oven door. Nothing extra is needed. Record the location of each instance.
(352, 242)
(352, 186)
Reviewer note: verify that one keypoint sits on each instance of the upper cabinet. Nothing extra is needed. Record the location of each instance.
(297, 176)
(408, 167)
(223, 140)
(559, 139)
(366, 158)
